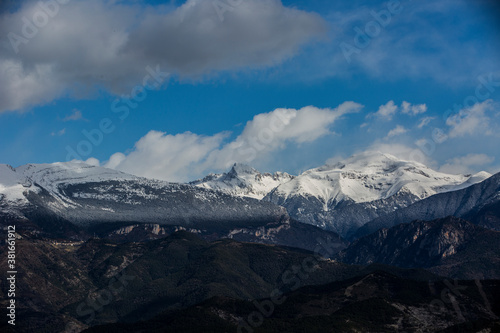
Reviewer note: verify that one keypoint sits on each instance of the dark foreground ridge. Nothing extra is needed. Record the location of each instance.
(181, 283)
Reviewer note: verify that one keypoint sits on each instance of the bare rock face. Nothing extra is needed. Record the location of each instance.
(449, 246)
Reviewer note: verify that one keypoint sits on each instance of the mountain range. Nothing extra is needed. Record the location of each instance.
(182, 283)
(478, 203)
(344, 196)
(104, 251)
(76, 200)
(244, 181)
(351, 198)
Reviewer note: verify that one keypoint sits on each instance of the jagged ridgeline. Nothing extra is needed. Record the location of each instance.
(76, 200)
(343, 196)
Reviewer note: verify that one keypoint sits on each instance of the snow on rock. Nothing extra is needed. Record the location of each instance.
(342, 197)
(372, 176)
(54, 177)
(12, 186)
(244, 181)
(84, 194)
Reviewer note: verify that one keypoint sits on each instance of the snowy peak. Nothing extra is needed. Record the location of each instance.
(52, 175)
(344, 196)
(12, 185)
(8, 176)
(239, 169)
(372, 176)
(84, 195)
(244, 181)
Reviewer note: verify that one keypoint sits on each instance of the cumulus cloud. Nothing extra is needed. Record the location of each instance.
(93, 161)
(466, 164)
(185, 156)
(164, 156)
(398, 130)
(74, 116)
(108, 44)
(387, 111)
(472, 120)
(413, 110)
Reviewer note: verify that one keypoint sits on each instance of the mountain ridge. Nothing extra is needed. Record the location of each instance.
(243, 180)
(465, 202)
(447, 246)
(76, 200)
(340, 197)
(343, 196)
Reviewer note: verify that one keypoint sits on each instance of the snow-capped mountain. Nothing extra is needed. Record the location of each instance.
(85, 194)
(49, 180)
(71, 200)
(372, 176)
(344, 196)
(244, 181)
(12, 186)
(478, 203)
(341, 197)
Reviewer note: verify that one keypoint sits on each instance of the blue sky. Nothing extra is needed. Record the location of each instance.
(280, 85)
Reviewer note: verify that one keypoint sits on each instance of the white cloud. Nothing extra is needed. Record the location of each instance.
(473, 120)
(186, 156)
(413, 110)
(387, 111)
(164, 156)
(93, 161)
(98, 43)
(398, 130)
(271, 131)
(115, 160)
(466, 164)
(425, 121)
(402, 151)
(74, 116)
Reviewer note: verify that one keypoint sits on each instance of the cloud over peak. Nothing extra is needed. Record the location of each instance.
(188, 155)
(473, 120)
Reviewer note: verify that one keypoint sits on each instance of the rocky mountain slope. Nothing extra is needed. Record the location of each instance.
(478, 203)
(450, 247)
(82, 284)
(373, 302)
(69, 286)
